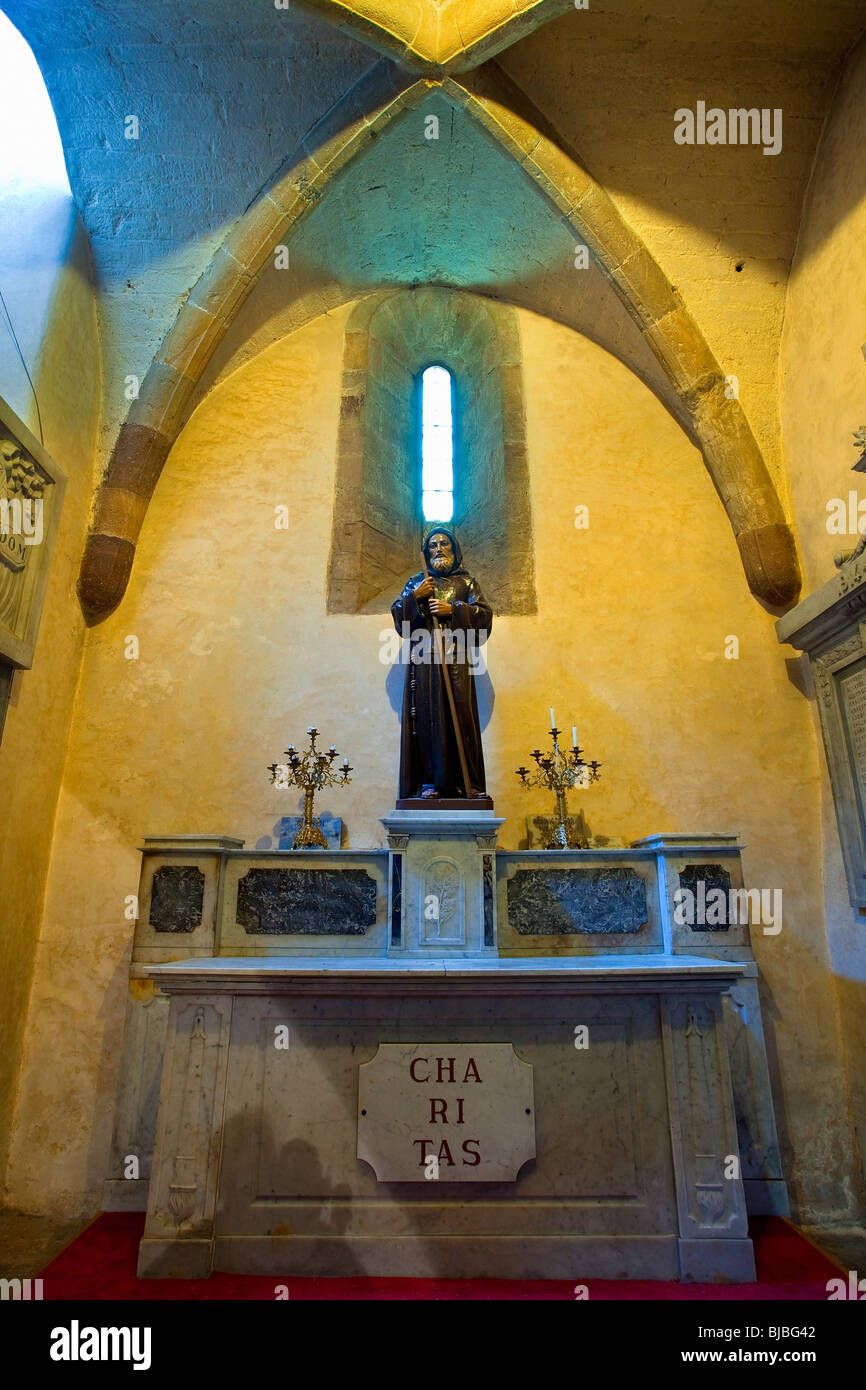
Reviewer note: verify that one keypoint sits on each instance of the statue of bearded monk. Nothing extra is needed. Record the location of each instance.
(429, 759)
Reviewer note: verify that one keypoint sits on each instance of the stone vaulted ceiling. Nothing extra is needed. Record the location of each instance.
(377, 227)
(225, 92)
(450, 35)
(226, 89)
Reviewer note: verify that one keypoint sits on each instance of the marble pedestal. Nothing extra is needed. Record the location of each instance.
(443, 877)
(635, 1175)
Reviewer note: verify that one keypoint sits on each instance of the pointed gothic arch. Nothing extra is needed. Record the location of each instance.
(718, 424)
(447, 37)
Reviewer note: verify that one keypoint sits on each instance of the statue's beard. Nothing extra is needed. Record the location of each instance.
(441, 564)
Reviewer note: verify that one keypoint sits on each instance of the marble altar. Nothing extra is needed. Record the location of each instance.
(651, 1121)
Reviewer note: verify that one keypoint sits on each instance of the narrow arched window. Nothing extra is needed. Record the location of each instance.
(437, 444)
(31, 155)
(36, 218)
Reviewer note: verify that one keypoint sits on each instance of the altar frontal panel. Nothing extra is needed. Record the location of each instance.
(294, 1195)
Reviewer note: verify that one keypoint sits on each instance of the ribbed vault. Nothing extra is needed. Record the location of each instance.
(449, 36)
(691, 380)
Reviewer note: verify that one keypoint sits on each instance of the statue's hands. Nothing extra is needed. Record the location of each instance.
(438, 606)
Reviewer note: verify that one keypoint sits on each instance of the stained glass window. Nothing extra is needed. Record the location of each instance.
(437, 444)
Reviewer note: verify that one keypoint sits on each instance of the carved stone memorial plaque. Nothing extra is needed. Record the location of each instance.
(31, 491)
(446, 1112)
(831, 627)
(852, 690)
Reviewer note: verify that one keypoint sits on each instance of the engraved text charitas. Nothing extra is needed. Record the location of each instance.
(446, 1112)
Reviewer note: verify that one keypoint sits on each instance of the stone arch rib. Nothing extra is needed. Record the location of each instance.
(730, 450)
(166, 395)
(445, 37)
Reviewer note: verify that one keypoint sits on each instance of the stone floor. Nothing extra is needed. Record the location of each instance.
(848, 1247)
(28, 1243)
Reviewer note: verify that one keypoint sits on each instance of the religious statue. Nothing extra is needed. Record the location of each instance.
(444, 613)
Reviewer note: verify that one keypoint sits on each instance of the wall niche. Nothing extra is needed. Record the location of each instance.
(377, 525)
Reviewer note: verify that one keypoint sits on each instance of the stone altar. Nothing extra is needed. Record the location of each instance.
(255, 1166)
(653, 1121)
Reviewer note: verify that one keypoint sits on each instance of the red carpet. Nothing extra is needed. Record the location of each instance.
(100, 1264)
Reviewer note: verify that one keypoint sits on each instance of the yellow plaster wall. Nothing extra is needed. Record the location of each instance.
(67, 380)
(822, 384)
(702, 210)
(822, 371)
(237, 656)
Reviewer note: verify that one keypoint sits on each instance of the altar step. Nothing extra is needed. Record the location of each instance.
(101, 1264)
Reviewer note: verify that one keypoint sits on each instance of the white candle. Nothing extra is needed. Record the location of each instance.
(552, 720)
(574, 735)
(345, 762)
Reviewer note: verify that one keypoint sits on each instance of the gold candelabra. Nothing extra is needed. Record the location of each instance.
(310, 771)
(559, 771)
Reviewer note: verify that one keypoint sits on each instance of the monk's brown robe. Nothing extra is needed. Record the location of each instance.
(428, 748)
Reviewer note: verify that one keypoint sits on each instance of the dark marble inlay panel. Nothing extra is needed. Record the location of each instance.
(309, 902)
(396, 899)
(712, 876)
(488, 899)
(176, 898)
(558, 902)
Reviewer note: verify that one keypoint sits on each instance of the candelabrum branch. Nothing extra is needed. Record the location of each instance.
(558, 772)
(310, 771)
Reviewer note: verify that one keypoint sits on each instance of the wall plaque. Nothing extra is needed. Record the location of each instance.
(831, 626)
(446, 1112)
(31, 491)
(852, 691)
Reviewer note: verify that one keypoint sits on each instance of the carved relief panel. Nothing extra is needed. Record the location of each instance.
(31, 492)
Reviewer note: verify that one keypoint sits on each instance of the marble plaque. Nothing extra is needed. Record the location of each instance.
(446, 1112)
(312, 902)
(177, 898)
(852, 689)
(31, 493)
(702, 881)
(555, 902)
